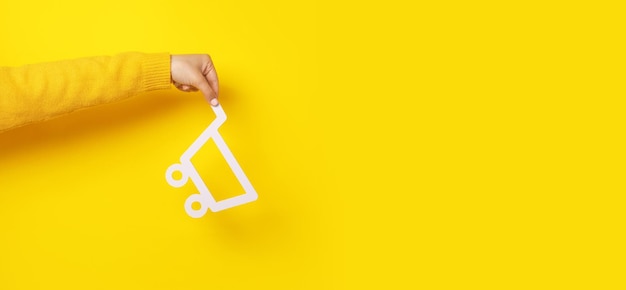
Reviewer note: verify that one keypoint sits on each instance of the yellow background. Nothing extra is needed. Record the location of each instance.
(461, 145)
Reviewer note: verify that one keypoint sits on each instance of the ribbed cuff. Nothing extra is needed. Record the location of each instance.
(156, 71)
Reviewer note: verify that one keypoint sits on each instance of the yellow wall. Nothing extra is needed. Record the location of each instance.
(462, 145)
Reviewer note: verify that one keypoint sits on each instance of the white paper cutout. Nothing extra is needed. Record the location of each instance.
(186, 168)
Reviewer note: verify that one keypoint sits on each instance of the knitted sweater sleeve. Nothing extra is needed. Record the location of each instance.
(39, 92)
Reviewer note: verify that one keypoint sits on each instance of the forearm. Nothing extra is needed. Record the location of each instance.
(38, 92)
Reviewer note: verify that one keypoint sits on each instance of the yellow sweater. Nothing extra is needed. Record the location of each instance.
(38, 92)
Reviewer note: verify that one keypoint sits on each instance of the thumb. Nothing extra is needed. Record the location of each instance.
(209, 94)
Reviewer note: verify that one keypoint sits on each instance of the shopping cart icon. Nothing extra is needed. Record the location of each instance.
(188, 171)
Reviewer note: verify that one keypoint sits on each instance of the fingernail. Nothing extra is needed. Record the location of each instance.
(214, 102)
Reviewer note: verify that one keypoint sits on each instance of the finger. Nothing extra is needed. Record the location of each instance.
(188, 88)
(185, 88)
(211, 77)
(207, 91)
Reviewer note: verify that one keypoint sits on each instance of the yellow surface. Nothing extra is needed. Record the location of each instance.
(460, 145)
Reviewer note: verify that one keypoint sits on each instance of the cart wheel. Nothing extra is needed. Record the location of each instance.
(169, 175)
(196, 213)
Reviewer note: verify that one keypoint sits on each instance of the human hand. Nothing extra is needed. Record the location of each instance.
(193, 72)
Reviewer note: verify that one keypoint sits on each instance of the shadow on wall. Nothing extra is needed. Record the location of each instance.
(98, 120)
(271, 227)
